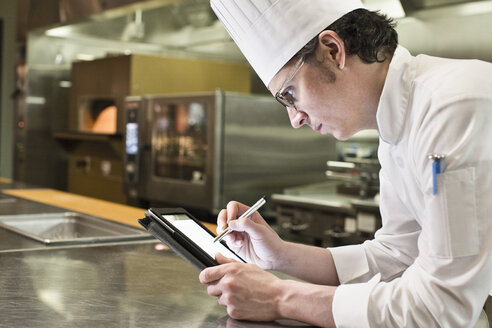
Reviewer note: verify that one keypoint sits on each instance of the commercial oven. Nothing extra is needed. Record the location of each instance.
(203, 150)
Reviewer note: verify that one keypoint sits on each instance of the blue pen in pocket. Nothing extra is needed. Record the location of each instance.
(436, 169)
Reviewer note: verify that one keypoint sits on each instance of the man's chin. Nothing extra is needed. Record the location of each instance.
(340, 136)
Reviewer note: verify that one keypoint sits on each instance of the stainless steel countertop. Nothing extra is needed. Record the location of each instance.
(333, 202)
(324, 196)
(134, 285)
(131, 284)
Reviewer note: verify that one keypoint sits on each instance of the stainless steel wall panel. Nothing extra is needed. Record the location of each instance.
(262, 152)
(46, 111)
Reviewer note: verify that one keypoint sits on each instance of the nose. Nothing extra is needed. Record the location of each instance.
(297, 118)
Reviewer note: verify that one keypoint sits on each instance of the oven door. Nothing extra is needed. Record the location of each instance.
(177, 159)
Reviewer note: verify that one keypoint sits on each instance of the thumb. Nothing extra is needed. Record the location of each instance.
(221, 259)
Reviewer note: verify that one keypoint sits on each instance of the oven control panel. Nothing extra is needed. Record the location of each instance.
(132, 148)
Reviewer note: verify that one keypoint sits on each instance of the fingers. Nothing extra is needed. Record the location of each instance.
(221, 221)
(228, 218)
(209, 276)
(213, 289)
(221, 259)
(254, 230)
(234, 210)
(215, 273)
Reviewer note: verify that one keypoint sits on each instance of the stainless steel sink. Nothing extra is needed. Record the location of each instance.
(70, 228)
(5, 199)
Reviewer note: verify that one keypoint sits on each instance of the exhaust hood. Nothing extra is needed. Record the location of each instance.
(189, 28)
(172, 27)
(425, 4)
(411, 6)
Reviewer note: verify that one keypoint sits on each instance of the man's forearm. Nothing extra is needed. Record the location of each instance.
(307, 303)
(309, 263)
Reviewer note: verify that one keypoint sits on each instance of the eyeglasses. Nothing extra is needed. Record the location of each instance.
(283, 96)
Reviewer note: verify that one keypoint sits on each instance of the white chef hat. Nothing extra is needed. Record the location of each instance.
(270, 32)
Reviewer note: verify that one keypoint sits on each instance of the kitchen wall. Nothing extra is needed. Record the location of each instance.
(8, 13)
(459, 31)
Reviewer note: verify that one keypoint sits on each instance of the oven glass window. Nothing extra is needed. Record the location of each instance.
(97, 115)
(179, 141)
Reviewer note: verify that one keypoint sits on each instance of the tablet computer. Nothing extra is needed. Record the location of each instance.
(186, 236)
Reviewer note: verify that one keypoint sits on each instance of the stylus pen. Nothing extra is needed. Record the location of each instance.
(246, 214)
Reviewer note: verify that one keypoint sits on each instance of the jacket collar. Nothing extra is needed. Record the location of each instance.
(393, 104)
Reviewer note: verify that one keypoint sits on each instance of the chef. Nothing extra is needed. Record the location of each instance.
(338, 69)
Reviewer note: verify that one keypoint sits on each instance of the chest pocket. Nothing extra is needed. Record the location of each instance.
(453, 223)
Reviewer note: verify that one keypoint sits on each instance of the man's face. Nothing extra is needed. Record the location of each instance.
(329, 99)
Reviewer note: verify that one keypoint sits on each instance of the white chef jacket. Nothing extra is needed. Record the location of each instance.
(430, 265)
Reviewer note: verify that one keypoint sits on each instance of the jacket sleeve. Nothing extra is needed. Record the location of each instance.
(361, 268)
(392, 250)
(451, 276)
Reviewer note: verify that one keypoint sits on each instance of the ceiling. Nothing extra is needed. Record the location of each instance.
(405, 8)
(189, 26)
(414, 5)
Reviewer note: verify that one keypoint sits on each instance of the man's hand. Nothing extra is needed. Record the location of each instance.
(252, 238)
(247, 291)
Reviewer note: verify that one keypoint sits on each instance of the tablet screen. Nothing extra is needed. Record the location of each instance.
(200, 236)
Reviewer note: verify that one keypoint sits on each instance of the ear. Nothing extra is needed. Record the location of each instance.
(332, 48)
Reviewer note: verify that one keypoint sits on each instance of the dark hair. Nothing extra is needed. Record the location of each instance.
(367, 34)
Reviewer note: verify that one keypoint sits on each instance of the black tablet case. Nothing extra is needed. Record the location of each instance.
(155, 228)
